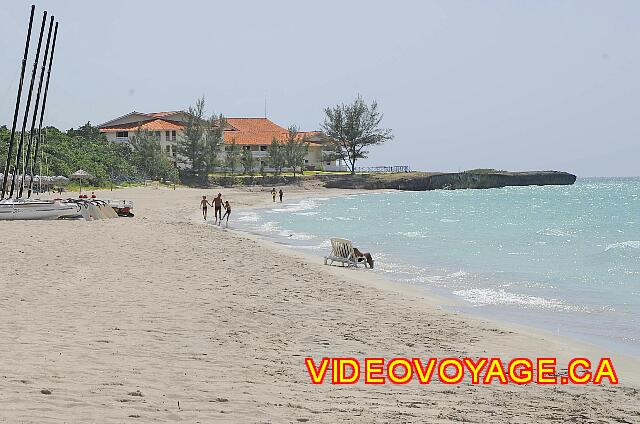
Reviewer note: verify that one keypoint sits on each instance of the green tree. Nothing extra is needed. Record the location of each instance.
(276, 155)
(232, 156)
(148, 157)
(213, 142)
(86, 131)
(295, 149)
(247, 160)
(352, 129)
(201, 140)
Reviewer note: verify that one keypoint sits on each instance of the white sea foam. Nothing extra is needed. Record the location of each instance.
(248, 217)
(449, 220)
(413, 234)
(482, 297)
(303, 205)
(630, 244)
(269, 227)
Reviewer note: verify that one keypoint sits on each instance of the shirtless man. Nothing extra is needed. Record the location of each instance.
(204, 204)
(217, 205)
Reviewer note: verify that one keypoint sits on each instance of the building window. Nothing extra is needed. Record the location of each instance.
(173, 136)
(328, 163)
(167, 135)
(156, 135)
(167, 149)
(263, 148)
(122, 134)
(306, 161)
(246, 147)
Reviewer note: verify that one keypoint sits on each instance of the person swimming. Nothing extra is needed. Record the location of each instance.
(204, 204)
(227, 212)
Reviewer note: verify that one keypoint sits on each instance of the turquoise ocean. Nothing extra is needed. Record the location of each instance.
(562, 258)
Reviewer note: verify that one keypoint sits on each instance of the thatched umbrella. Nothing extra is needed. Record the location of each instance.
(81, 174)
(60, 180)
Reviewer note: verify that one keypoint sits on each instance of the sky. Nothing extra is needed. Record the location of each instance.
(515, 85)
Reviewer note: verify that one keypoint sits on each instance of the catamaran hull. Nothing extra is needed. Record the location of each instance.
(10, 211)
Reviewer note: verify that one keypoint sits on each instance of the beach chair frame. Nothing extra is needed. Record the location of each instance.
(342, 252)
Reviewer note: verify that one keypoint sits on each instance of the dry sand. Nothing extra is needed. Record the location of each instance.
(161, 318)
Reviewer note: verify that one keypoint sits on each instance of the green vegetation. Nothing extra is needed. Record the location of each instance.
(483, 171)
(295, 149)
(86, 148)
(353, 128)
(247, 161)
(277, 158)
(148, 158)
(199, 145)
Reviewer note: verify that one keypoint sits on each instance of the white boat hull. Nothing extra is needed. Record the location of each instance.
(11, 210)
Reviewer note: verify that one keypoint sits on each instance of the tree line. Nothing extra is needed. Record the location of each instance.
(348, 131)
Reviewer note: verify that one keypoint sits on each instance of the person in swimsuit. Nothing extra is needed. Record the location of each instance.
(367, 256)
(204, 204)
(217, 204)
(281, 194)
(273, 194)
(227, 212)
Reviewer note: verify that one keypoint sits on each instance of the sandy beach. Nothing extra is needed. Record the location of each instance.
(160, 318)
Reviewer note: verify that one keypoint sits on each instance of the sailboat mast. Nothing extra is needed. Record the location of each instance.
(15, 113)
(28, 161)
(26, 110)
(44, 104)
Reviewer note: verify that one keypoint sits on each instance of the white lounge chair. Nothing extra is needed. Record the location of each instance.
(342, 251)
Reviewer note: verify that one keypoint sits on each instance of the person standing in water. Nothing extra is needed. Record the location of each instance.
(273, 194)
(227, 212)
(281, 194)
(204, 204)
(217, 204)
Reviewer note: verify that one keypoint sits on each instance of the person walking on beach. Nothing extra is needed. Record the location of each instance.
(204, 204)
(273, 194)
(227, 212)
(280, 193)
(217, 207)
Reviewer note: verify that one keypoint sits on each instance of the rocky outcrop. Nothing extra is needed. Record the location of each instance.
(418, 181)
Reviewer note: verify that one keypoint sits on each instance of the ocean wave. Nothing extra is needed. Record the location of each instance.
(269, 227)
(296, 236)
(483, 297)
(449, 220)
(555, 232)
(248, 217)
(630, 244)
(413, 234)
(303, 205)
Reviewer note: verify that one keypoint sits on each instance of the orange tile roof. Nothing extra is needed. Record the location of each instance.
(254, 125)
(253, 137)
(153, 125)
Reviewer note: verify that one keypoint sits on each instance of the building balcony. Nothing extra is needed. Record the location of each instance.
(260, 154)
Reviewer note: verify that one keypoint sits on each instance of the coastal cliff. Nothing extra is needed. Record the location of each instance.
(421, 181)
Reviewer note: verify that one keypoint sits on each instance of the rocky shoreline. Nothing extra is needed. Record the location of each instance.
(422, 181)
